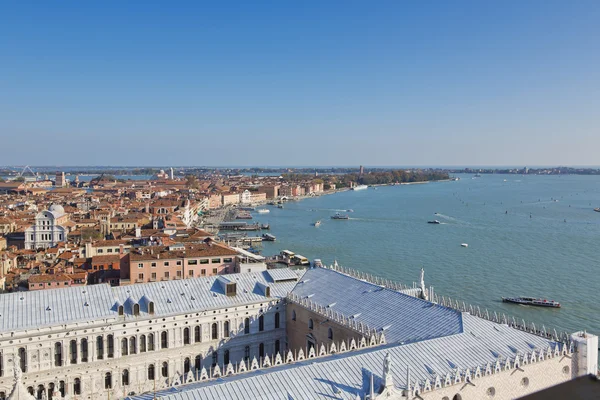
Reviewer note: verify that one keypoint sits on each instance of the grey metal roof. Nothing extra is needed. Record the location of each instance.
(193, 295)
(282, 274)
(343, 376)
(34, 309)
(405, 318)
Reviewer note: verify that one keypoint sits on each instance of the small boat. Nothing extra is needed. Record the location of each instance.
(530, 301)
(340, 216)
(360, 187)
(435, 221)
(597, 209)
(263, 211)
(318, 223)
(267, 237)
(464, 244)
(349, 210)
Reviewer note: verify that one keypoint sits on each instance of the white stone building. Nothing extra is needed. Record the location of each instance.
(47, 230)
(276, 334)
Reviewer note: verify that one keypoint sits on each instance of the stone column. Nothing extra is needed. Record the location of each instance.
(78, 360)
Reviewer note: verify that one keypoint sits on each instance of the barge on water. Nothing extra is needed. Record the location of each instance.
(531, 301)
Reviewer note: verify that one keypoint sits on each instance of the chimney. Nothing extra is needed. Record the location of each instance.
(121, 249)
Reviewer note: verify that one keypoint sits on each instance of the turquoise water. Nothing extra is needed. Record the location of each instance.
(529, 251)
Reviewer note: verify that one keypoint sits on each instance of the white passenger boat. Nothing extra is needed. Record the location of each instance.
(263, 211)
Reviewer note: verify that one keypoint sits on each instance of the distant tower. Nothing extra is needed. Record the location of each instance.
(362, 170)
(60, 179)
(526, 170)
(172, 173)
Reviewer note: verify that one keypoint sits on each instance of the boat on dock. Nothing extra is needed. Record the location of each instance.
(531, 301)
(435, 222)
(267, 237)
(340, 216)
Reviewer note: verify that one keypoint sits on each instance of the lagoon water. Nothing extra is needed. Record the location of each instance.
(519, 242)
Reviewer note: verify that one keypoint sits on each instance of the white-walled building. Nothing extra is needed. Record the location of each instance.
(47, 230)
(277, 334)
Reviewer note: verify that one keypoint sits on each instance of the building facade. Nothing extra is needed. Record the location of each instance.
(47, 231)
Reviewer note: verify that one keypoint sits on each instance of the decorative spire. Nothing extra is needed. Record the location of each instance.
(19, 392)
(422, 281)
(388, 379)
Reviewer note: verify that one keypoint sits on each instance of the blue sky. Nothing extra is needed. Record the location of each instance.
(300, 83)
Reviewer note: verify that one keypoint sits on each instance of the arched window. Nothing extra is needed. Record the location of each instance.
(197, 335)
(226, 357)
(186, 365)
(226, 328)
(276, 320)
(62, 388)
(108, 381)
(151, 375)
(73, 351)
(247, 353)
(198, 362)
(261, 350)
(293, 315)
(165, 370)
(330, 334)
(151, 342)
(310, 324)
(125, 378)
(23, 357)
(277, 347)
(151, 308)
(57, 354)
(121, 310)
(246, 325)
(214, 332)
(186, 336)
(30, 390)
(132, 345)
(110, 344)
(457, 396)
(77, 386)
(261, 323)
(143, 344)
(136, 309)
(99, 348)
(124, 347)
(164, 340)
(84, 350)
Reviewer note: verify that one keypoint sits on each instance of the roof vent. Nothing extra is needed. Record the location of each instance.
(193, 298)
(264, 288)
(385, 328)
(84, 292)
(21, 298)
(48, 308)
(86, 304)
(229, 287)
(331, 305)
(355, 316)
(310, 295)
(169, 301)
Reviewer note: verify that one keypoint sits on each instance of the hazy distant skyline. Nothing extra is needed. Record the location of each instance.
(313, 83)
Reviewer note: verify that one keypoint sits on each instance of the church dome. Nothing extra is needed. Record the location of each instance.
(57, 209)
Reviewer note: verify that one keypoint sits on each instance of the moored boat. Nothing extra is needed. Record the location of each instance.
(267, 237)
(597, 209)
(531, 301)
(263, 211)
(435, 221)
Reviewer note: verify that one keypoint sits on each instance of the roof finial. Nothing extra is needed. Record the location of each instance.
(388, 379)
(422, 282)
